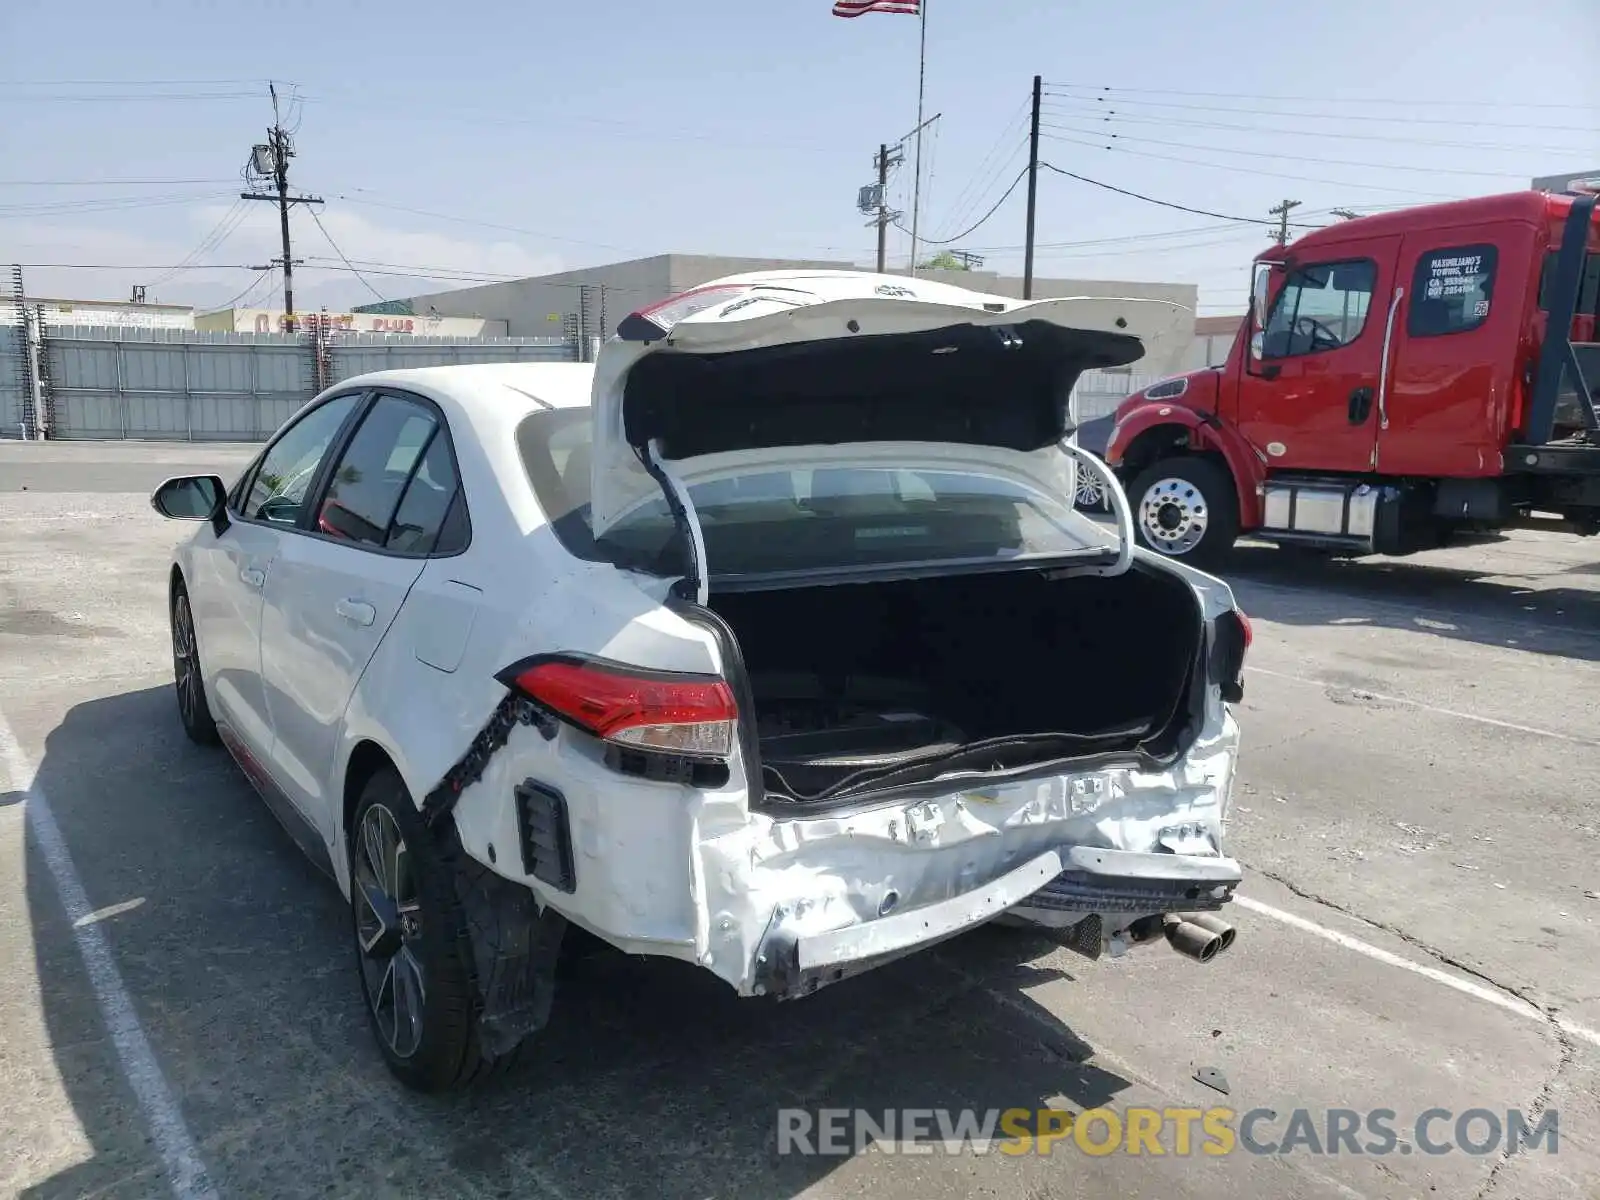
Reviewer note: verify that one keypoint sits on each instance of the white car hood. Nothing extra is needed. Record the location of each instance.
(730, 368)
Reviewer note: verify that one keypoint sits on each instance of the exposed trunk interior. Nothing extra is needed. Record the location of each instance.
(866, 685)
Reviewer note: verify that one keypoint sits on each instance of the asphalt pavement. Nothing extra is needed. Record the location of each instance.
(1419, 930)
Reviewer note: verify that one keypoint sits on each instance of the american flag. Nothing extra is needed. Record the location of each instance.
(856, 8)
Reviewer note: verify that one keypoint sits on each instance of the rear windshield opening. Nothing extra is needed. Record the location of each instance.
(821, 516)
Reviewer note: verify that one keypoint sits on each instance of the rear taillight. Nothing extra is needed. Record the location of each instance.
(692, 715)
(1230, 639)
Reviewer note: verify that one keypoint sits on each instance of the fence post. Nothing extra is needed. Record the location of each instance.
(122, 391)
(188, 397)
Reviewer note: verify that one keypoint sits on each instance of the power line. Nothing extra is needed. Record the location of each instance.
(1201, 212)
(106, 182)
(341, 255)
(422, 212)
(254, 283)
(1021, 175)
(990, 168)
(105, 203)
(1110, 115)
(1332, 162)
(1473, 123)
(221, 232)
(1238, 170)
(1411, 102)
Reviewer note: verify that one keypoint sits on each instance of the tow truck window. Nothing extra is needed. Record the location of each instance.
(1451, 290)
(1321, 307)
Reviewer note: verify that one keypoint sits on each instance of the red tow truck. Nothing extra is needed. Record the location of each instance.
(1400, 379)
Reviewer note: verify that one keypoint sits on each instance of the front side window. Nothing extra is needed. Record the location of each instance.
(1321, 307)
(365, 488)
(1451, 290)
(833, 514)
(278, 491)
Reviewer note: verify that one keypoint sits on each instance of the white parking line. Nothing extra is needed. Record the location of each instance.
(1433, 708)
(1465, 986)
(185, 1172)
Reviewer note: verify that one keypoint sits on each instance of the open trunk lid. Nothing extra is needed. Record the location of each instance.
(752, 371)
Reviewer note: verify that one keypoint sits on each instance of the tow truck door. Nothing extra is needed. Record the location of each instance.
(1308, 397)
(1452, 368)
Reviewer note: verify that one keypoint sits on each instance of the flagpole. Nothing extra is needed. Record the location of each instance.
(922, 68)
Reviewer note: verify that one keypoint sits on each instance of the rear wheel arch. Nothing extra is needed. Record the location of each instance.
(366, 760)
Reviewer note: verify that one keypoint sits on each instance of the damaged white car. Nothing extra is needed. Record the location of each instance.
(771, 642)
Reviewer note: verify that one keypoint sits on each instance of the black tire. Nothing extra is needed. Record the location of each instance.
(187, 678)
(1201, 491)
(439, 1051)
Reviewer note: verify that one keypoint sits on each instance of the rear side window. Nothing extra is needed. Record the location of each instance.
(1451, 290)
(373, 473)
(431, 518)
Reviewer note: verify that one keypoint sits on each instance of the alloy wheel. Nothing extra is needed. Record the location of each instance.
(389, 930)
(185, 662)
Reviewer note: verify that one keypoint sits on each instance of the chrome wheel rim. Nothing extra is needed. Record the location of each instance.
(1173, 515)
(389, 931)
(185, 662)
(1090, 491)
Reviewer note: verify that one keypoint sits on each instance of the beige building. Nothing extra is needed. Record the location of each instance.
(1213, 338)
(266, 320)
(116, 314)
(588, 303)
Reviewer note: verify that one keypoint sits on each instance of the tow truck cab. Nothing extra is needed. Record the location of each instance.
(1394, 382)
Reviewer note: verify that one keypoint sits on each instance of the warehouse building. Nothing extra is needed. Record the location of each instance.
(585, 305)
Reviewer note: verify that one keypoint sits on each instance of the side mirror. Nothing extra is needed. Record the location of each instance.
(193, 498)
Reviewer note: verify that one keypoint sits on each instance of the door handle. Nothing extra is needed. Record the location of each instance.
(252, 576)
(1360, 405)
(357, 612)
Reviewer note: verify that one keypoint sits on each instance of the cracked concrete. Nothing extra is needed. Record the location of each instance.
(655, 1082)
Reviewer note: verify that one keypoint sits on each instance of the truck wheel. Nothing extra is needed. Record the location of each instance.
(1185, 508)
(411, 946)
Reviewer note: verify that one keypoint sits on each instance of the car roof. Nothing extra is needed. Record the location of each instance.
(551, 384)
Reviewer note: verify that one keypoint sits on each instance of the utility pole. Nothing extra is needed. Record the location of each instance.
(1033, 191)
(1344, 214)
(883, 206)
(269, 164)
(872, 200)
(1282, 211)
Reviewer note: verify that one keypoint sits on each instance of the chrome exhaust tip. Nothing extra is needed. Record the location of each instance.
(1213, 924)
(1191, 940)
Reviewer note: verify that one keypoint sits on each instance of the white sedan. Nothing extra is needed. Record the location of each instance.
(771, 643)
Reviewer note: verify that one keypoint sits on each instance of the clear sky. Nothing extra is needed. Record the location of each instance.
(495, 138)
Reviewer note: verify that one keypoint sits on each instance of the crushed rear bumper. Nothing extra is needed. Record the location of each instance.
(1085, 882)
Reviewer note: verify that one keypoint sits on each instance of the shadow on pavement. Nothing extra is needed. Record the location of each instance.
(652, 1080)
(1296, 587)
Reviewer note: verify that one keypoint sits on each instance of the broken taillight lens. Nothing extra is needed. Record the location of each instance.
(1230, 639)
(692, 715)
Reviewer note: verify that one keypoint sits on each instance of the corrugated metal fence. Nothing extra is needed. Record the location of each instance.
(189, 385)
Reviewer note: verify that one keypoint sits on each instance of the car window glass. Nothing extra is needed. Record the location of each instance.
(1321, 307)
(1451, 290)
(422, 516)
(365, 487)
(279, 488)
(810, 517)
